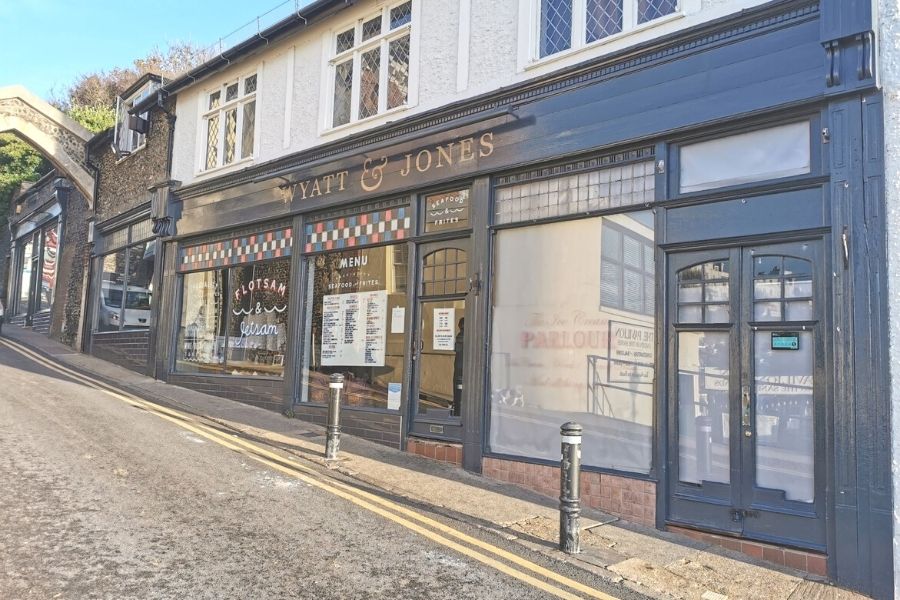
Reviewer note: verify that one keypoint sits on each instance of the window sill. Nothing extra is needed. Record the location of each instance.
(122, 159)
(537, 63)
(227, 167)
(373, 118)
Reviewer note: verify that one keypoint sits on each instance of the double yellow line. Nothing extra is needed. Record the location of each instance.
(514, 566)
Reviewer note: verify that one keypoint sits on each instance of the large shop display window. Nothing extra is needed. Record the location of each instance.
(356, 315)
(126, 280)
(234, 320)
(39, 253)
(573, 339)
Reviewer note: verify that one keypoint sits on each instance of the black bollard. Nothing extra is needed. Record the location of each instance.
(569, 493)
(333, 430)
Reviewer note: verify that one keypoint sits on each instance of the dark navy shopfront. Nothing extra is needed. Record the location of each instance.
(666, 247)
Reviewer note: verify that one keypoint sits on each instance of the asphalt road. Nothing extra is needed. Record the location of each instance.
(100, 499)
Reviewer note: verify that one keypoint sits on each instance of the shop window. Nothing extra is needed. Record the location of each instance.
(355, 321)
(49, 258)
(370, 65)
(234, 320)
(229, 122)
(560, 352)
(570, 24)
(25, 268)
(772, 153)
(125, 297)
(603, 189)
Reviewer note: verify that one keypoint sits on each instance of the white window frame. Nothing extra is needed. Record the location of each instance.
(531, 10)
(333, 58)
(238, 103)
(126, 141)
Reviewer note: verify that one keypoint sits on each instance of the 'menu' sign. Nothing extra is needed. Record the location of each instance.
(373, 172)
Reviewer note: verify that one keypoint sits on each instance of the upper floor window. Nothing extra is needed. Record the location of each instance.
(229, 122)
(131, 130)
(569, 24)
(370, 65)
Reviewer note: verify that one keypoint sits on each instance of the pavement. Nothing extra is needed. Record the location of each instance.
(653, 563)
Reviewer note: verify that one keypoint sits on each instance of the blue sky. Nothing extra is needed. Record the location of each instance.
(45, 44)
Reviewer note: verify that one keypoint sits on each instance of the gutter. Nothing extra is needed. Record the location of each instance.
(314, 13)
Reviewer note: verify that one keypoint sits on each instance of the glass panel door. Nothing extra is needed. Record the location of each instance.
(439, 343)
(746, 402)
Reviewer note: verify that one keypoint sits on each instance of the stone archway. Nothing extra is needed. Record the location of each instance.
(61, 139)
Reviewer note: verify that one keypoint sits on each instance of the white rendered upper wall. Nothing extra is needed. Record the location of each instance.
(458, 49)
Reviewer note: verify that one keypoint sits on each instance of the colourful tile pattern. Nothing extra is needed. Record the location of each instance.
(236, 251)
(359, 230)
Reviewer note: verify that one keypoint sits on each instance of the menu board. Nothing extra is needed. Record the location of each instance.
(354, 329)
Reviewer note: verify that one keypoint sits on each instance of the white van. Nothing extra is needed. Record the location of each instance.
(137, 307)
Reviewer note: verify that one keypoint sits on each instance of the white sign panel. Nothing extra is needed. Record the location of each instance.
(354, 328)
(398, 317)
(444, 321)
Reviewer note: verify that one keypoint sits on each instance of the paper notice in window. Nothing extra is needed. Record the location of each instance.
(398, 317)
(393, 400)
(353, 329)
(444, 321)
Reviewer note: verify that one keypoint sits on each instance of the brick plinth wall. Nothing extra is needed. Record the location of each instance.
(442, 451)
(809, 562)
(630, 499)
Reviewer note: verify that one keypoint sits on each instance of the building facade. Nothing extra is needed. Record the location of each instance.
(46, 266)
(663, 220)
(132, 164)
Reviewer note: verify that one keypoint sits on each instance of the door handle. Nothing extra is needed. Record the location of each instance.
(745, 409)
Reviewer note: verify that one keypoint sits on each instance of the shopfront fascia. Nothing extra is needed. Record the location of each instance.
(702, 222)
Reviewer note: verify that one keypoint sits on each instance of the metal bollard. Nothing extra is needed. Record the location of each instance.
(569, 493)
(333, 430)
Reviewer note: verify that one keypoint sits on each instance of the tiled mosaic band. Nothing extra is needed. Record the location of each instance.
(359, 230)
(236, 251)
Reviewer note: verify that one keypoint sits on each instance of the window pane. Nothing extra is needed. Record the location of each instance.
(370, 66)
(703, 412)
(398, 72)
(602, 18)
(257, 333)
(654, 9)
(401, 15)
(344, 40)
(783, 397)
(343, 82)
(212, 141)
(250, 84)
(48, 270)
(214, 99)
(230, 135)
(606, 188)
(139, 295)
(201, 330)
(371, 28)
(558, 354)
(755, 156)
(556, 26)
(231, 92)
(112, 289)
(249, 129)
(25, 277)
(355, 315)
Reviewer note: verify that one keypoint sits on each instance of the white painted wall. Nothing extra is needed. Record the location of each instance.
(889, 77)
(293, 89)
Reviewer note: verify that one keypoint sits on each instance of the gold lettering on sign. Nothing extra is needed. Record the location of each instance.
(422, 161)
(371, 179)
